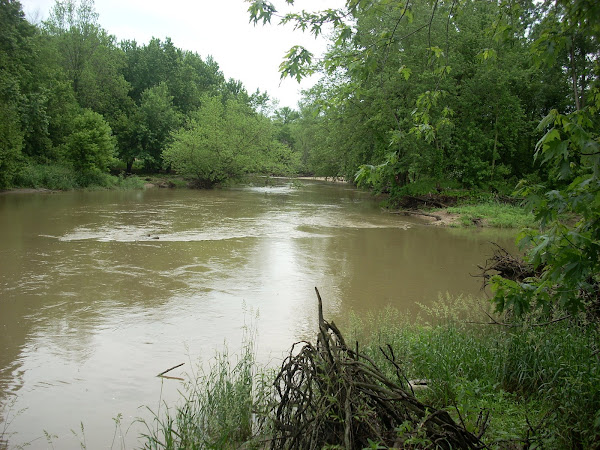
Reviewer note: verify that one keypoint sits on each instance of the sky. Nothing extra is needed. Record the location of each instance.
(219, 28)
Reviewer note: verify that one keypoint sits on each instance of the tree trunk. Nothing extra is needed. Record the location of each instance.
(495, 148)
(574, 74)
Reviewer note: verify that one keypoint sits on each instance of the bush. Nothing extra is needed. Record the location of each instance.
(53, 176)
(90, 147)
(63, 178)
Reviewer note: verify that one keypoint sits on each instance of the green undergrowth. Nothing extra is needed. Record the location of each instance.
(525, 386)
(494, 214)
(63, 178)
(538, 386)
(166, 180)
(476, 207)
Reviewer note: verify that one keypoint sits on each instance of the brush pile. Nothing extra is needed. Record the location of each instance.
(426, 201)
(331, 395)
(507, 266)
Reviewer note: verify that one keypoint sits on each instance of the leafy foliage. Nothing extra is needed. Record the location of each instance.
(567, 246)
(224, 139)
(55, 74)
(90, 147)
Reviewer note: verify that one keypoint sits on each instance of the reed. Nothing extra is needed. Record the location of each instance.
(216, 409)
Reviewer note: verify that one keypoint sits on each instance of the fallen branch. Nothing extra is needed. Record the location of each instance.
(168, 370)
(416, 212)
(427, 200)
(507, 266)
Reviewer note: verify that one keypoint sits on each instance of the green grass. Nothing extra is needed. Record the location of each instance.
(218, 408)
(494, 214)
(539, 384)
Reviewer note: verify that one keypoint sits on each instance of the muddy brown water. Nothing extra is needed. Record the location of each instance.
(101, 291)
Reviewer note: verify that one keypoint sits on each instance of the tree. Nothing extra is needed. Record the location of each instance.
(283, 120)
(157, 119)
(225, 139)
(565, 251)
(406, 89)
(89, 57)
(16, 53)
(90, 147)
(76, 29)
(222, 140)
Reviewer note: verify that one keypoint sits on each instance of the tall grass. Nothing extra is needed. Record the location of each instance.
(537, 384)
(217, 410)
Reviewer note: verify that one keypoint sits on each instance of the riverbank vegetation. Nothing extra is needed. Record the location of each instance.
(408, 95)
(77, 108)
(512, 385)
(493, 214)
(404, 102)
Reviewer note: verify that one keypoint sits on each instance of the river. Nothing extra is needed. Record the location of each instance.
(101, 291)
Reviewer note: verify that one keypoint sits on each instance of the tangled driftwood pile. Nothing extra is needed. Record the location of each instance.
(507, 266)
(329, 394)
(426, 201)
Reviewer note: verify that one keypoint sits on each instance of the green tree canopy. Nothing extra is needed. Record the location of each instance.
(90, 147)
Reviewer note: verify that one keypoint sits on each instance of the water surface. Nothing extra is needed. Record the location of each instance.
(100, 291)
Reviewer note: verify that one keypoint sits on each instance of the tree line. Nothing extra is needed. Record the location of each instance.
(74, 99)
(446, 90)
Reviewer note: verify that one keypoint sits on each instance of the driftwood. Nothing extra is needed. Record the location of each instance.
(168, 370)
(426, 201)
(416, 212)
(507, 266)
(332, 395)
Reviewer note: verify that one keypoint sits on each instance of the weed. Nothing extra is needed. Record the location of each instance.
(217, 408)
(499, 215)
(536, 384)
(64, 178)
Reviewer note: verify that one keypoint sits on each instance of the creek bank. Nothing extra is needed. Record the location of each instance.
(454, 211)
(438, 218)
(28, 191)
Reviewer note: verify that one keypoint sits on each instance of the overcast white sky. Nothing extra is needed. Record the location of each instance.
(210, 27)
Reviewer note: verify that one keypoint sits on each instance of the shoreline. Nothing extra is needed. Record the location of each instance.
(28, 191)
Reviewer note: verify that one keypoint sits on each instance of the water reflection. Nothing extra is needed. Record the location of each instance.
(100, 291)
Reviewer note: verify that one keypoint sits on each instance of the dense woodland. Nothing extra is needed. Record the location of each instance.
(450, 92)
(75, 104)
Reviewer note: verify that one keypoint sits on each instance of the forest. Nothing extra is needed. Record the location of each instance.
(412, 96)
(492, 96)
(76, 106)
